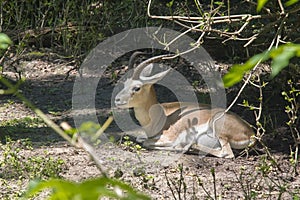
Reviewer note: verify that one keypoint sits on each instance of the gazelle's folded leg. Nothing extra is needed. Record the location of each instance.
(218, 152)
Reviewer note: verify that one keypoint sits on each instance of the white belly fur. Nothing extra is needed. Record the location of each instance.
(200, 134)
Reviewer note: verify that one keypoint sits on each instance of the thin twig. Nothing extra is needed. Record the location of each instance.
(169, 185)
(90, 150)
(182, 34)
(281, 7)
(249, 77)
(102, 129)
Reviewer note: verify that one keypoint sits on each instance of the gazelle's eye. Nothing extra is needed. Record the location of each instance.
(136, 89)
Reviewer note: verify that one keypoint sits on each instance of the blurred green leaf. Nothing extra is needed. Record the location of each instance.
(260, 4)
(170, 4)
(290, 2)
(236, 73)
(5, 41)
(280, 59)
(86, 190)
(219, 3)
(88, 128)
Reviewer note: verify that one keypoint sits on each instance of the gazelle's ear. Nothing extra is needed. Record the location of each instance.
(146, 78)
(147, 70)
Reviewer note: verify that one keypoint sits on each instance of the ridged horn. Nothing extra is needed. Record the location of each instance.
(133, 57)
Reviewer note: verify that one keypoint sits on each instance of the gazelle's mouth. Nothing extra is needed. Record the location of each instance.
(121, 105)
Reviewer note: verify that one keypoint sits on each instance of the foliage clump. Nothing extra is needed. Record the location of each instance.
(18, 161)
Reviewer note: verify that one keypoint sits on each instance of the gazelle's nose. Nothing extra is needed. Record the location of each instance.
(119, 102)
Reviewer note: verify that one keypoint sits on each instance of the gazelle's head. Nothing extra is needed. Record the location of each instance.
(138, 89)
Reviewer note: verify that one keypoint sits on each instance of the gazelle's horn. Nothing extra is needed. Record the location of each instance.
(133, 57)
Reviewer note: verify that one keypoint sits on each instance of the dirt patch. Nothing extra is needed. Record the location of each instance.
(162, 175)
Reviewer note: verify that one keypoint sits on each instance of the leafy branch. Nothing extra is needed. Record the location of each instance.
(280, 59)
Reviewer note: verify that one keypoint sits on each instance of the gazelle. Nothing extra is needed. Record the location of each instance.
(180, 126)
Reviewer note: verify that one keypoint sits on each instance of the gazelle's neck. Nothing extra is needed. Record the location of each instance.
(141, 111)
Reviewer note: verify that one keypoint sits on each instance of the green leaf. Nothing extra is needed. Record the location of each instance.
(260, 4)
(61, 189)
(234, 76)
(170, 4)
(88, 189)
(89, 128)
(281, 61)
(236, 73)
(219, 3)
(5, 41)
(281, 57)
(290, 2)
